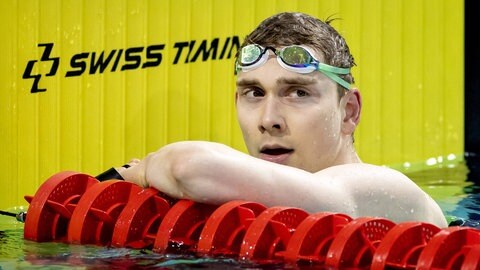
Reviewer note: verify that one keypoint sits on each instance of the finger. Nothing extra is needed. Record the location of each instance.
(134, 161)
(133, 174)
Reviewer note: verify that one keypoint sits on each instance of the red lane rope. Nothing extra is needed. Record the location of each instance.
(76, 208)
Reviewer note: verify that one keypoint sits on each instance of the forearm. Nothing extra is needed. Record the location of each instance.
(190, 169)
(215, 173)
(208, 172)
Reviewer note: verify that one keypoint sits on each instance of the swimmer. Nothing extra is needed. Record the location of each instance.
(298, 111)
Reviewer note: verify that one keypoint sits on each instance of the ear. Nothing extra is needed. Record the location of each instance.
(352, 104)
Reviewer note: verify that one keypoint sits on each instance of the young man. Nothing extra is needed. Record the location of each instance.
(298, 113)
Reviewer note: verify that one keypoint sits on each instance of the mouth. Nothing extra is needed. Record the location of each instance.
(275, 154)
(275, 151)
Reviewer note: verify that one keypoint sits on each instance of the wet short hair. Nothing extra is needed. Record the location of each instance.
(295, 28)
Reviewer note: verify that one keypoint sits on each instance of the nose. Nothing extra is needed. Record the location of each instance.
(272, 120)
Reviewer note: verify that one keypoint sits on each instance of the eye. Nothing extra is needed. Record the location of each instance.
(253, 92)
(298, 93)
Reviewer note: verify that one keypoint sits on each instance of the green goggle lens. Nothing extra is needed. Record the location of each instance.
(250, 55)
(296, 56)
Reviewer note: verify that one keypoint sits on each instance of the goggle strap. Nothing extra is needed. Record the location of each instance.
(337, 79)
(332, 69)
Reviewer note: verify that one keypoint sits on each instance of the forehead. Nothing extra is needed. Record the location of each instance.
(272, 74)
(296, 79)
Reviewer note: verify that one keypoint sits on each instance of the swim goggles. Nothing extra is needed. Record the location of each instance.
(293, 58)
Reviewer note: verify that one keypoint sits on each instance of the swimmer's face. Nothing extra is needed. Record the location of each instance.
(290, 118)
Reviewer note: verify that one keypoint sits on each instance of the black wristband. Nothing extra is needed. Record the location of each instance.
(109, 174)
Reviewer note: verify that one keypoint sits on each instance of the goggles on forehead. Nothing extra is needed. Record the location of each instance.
(293, 58)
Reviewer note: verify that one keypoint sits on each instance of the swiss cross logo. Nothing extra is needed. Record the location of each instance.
(55, 61)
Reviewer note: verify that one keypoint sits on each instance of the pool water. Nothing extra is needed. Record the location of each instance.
(455, 187)
(17, 253)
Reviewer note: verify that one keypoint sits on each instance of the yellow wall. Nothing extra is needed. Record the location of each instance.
(410, 72)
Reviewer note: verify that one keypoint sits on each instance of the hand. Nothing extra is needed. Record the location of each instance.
(133, 172)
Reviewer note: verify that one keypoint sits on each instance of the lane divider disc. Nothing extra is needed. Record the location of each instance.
(402, 245)
(312, 239)
(224, 230)
(355, 244)
(137, 224)
(448, 249)
(267, 237)
(52, 205)
(180, 228)
(98, 210)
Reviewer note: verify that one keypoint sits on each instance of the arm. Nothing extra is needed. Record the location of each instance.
(215, 173)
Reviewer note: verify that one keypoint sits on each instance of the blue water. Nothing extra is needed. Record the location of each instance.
(455, 188)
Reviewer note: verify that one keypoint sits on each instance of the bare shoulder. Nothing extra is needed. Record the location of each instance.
(382, 191)
(362, 180)
(369, 171)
